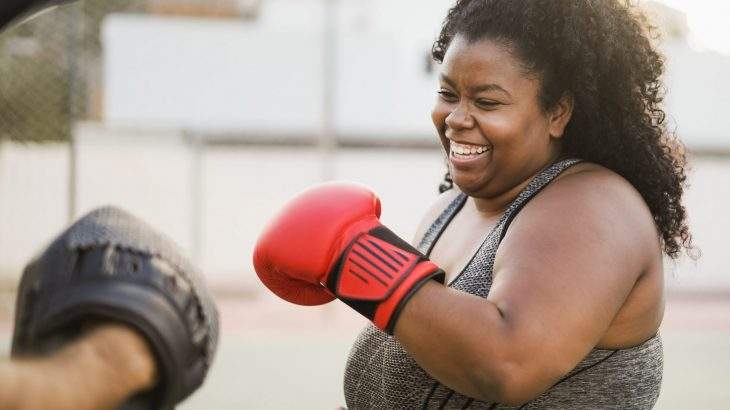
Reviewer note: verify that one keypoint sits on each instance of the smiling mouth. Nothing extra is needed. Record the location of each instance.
(467, 151)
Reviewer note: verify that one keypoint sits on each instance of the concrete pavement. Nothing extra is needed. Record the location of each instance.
(277, 356)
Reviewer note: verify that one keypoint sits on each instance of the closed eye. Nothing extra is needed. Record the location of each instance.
(487, 104)
(448, 96)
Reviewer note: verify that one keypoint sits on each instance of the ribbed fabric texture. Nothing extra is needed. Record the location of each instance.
(381, 375)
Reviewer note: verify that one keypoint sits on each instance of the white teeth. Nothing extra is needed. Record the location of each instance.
(463, 149)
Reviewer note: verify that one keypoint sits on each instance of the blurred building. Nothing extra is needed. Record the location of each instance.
(671, 22)
(264, 69)
(266, 75)
(205, 8)
(175, 106)
(697, 83)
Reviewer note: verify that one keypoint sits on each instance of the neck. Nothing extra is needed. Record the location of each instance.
(497, 204)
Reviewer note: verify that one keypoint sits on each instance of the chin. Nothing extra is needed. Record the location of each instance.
(471, 186)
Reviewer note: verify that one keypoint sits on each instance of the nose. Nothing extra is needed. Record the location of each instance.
(460, 118)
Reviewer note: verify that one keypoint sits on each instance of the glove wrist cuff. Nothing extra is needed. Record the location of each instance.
(389, 311)
(377, 273)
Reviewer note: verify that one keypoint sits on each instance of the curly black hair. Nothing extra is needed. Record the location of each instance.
(601, 53)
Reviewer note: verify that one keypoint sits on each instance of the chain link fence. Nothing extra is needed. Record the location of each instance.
(51, 65)
(50, 69)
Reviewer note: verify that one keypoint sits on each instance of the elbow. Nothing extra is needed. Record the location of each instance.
(511, 384)
(513, 389)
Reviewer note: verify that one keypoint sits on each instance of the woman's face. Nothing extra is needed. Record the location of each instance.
(489, 119)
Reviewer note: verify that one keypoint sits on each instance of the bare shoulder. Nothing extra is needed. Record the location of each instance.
(434, 210)
(595, 190)
(570, 260)
(589, 204)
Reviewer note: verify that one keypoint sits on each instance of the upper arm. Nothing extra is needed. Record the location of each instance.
(565, 268)
(433, 212)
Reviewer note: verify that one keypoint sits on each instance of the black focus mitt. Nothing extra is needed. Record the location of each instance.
(111, 266)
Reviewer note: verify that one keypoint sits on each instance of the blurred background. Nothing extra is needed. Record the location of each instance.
(204, 116)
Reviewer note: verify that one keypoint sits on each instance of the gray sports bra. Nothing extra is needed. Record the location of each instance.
(381, 375)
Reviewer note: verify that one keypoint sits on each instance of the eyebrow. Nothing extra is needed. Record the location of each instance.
(479, 88)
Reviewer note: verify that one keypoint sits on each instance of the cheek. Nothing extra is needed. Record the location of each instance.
(438, 115)
(508, 128)
(500, 128)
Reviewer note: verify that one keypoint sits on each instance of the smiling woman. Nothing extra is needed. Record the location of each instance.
(564, 191)
(581, 62)
(488, 104)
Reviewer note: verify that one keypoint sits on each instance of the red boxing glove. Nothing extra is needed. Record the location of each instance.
(328, 243)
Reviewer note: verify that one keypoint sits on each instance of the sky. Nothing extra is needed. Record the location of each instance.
(709, 21)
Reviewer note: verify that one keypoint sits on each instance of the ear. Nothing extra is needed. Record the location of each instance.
(560, 116)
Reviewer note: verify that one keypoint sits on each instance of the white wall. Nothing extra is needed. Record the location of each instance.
(698, 97)
(145, 171)
(150, 173)
(266, 76)
(211, 75)
(33, 201)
